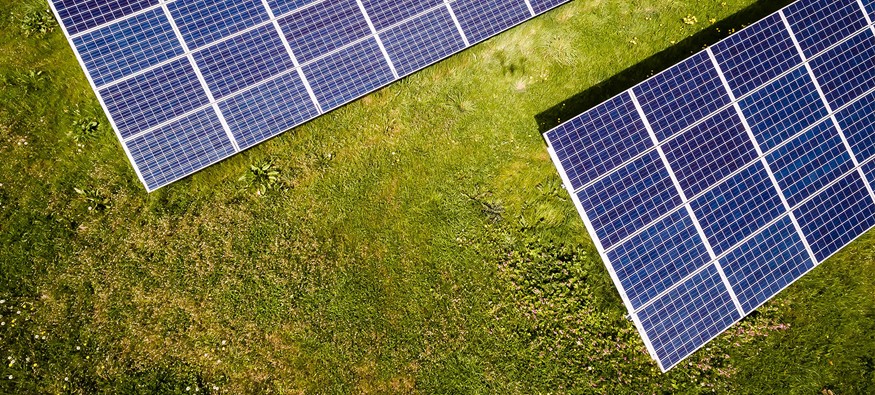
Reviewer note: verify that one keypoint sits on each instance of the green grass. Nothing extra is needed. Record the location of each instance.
(415, 241)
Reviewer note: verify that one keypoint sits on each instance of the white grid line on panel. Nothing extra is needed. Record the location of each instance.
(294, 58)
(761, 229)
(698, 122)
(260, 83)
(531, 9)
(762, 157)
(828, 107)
(865, 12)
(598, 245)
(377, 38)
(458, 25)
(789, 140)
(200, 77)
(102, 25)
(100, 100)
(689, 209)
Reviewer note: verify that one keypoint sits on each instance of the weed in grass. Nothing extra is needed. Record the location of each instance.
(264, 177)
(459, 102)
(84, 129)
(37, 23)
(96, 200)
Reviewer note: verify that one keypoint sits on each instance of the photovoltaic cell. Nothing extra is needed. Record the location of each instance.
(818, 24)
(588, 146)
(672, 249)
(272, 63)
(858, 124)
(630, 198)
(689, 315)
(756, 55)
(738, 207)
(172, 151)
(151, 41)
(837, 215)
(709, 151)
(268, 109)
(771, 179)
(422, 41)
(350, 73)
(807, 163)
(243, 61)
(765, 264)
(204, 21)
(81, 15)
(481, 19)
(324, 27)
(678, 97)
(152, 98)
(848, 70)
(385, 13)
(782, 109)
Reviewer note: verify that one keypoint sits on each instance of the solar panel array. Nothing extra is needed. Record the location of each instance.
(713, 185)
(186, 83)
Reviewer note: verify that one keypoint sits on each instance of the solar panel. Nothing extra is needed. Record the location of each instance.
(712, 186)
(187, 83)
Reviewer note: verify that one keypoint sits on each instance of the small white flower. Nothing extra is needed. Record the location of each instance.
(10, 377)
(78, 348)
(224, 342)
(18, 312)
(215, 388)
(3, 323)
(2, 300)
(66, 379)
(187, 388)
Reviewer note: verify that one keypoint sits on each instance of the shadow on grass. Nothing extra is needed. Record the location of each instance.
(583, 101)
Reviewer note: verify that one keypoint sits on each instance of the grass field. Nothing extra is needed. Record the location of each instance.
(415, 241)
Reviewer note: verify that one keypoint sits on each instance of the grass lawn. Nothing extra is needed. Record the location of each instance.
(416, 241)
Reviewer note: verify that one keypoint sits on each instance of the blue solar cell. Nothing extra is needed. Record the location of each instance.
(783, 109)
(481, 19)
(869, 172)
(203, 21)
(765, 264)
(756, 55)
(836, 216)
(154, 97)
(738, 207)
(597, 141)
(678, 97)
(80, 15)
(269, 109)
(658, 258)
(688, 316)
(243, 61)
(179, 148)
(629, 199)
(857, 121)
(282, 7)
(809, 162)
(870, 8)
(385, 13)
(150, 40)
(348, 74)
(541, 6)
(709, 151)
(422, 41)
(324, 27)
(848, 70)
(819, 24)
